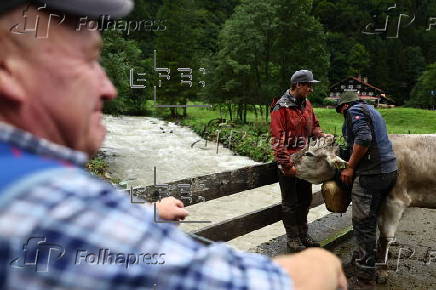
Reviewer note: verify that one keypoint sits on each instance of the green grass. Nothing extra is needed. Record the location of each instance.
(251, 139)
(398, 120)
(245, 137)
(97, 166)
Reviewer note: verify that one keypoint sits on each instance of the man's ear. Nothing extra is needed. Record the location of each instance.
(10, 88)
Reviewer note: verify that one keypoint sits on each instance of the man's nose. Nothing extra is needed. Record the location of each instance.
(108, 90)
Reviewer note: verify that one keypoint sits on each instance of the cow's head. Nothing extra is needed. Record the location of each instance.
(318, 161)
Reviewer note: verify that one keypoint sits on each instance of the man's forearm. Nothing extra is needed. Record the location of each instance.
(358, 152)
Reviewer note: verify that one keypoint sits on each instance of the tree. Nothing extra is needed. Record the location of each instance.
(118, 57)
(348, 57)
(424, 93)
(261, 45)
(411, 64)
(242, 71)
(300, 43)
(176, 48)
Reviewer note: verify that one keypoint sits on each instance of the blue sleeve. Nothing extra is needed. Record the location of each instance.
(103, 241)
(360, 126)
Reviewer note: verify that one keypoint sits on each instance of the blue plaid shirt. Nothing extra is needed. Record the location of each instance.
(61, 228)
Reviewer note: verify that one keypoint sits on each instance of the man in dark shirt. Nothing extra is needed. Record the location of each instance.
(373, 167)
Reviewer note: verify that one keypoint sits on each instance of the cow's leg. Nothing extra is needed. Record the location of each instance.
(388, 221)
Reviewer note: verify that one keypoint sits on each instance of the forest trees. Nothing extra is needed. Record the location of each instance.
(260, 46)
(424, 93)
(251, 48)
(390, 42)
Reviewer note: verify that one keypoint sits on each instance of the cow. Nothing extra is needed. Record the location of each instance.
(415, 186)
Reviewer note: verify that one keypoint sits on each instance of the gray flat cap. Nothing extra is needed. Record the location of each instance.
(303, 76)
(91, 8)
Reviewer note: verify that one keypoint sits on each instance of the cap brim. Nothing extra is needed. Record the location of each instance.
(92, 9)
(5, 6)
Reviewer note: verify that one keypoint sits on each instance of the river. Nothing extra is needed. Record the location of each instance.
(136, 145)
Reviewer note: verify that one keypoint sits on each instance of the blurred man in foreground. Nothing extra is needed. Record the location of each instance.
(51, 96)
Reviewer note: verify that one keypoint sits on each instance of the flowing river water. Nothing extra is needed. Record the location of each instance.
(134, 146)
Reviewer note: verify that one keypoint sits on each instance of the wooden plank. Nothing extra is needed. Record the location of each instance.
(211, 186)
(241, 225)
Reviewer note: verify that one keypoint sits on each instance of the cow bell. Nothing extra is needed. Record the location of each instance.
(336, 199)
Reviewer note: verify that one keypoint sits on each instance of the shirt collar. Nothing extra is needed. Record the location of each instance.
(288, 100)
(30, 143)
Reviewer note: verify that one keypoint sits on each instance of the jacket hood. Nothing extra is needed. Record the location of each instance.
(288, 100)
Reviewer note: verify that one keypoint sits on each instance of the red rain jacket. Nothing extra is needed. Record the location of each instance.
(292, 124)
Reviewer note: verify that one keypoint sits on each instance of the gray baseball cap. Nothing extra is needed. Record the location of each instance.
(91, 8)
(303, 76)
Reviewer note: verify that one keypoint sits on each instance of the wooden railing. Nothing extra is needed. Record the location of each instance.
(208, 187)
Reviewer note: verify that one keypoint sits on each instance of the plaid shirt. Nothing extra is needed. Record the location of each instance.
(61, 228)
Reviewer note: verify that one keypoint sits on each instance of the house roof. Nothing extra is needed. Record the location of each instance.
(360, 81)
(367, 97)
(367, 84)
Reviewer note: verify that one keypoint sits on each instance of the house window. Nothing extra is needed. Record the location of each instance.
(350, 86)
(332, 94)
(358, 86)
(342, 86)
(371, 93)
(363, 93)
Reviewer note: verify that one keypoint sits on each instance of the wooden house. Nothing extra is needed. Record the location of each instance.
(365, 90)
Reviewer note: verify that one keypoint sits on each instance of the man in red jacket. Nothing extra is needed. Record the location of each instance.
(293, 123)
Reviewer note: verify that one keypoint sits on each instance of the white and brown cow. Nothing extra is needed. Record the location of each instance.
(415, 186)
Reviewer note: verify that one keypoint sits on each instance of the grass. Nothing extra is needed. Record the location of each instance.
(245, 139)
(398, 120)
(252, 139)
(97, 166)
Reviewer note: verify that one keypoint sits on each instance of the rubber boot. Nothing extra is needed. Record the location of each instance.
(305, 238)
(294, 244)
(365, 270)
(350, 267)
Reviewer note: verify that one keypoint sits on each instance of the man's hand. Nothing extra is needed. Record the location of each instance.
(314, 268)
(170, 208)
(289, 171)
(347, 175)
